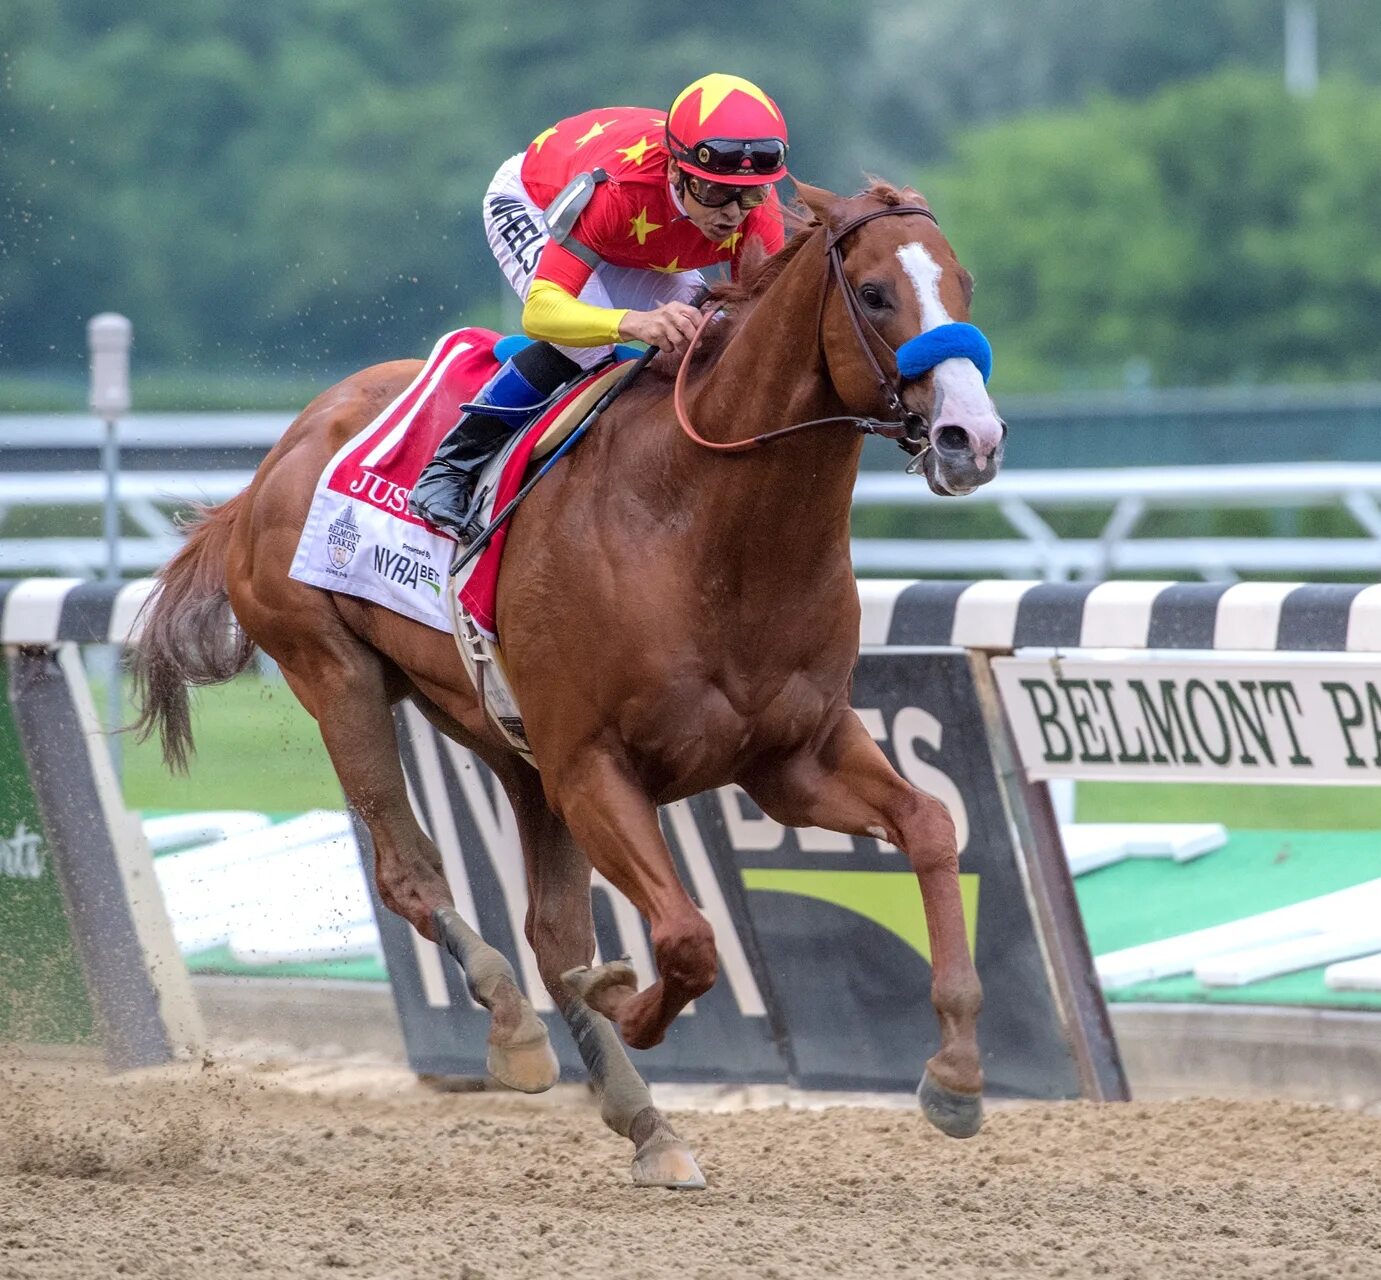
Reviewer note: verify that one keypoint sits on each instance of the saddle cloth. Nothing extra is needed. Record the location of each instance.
(360, 538)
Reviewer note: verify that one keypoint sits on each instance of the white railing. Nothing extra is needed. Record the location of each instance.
(169, 431)
(1129, 495)
(148, 501)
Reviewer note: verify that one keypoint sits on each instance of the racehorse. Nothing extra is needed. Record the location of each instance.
(678, 612)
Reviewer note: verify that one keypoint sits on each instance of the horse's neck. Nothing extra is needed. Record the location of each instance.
(785, 505)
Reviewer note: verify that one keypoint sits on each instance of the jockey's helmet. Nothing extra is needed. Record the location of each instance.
(725, 129)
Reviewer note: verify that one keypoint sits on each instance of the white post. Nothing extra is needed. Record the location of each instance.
(1301, 47)
(108, 337)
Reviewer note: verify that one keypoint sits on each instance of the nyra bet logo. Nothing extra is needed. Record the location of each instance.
(406, 570)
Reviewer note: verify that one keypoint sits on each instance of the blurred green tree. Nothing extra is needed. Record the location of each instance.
(935, 66)
(299, 184)
(1221, 231)
(296, 186)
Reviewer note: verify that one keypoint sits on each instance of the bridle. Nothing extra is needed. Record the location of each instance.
(907, 428)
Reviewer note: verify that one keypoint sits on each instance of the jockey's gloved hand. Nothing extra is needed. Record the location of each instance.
(670, 326)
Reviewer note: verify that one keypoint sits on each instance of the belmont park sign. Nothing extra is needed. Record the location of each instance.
(1277, 718)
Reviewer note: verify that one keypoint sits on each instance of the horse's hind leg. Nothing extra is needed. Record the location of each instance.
(520, 1053)
(561, 931)
(341, 682)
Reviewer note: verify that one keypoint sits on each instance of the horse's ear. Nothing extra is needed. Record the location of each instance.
(816, 199)
(910, 195)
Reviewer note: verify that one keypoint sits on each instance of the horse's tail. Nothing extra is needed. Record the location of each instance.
(190, 637)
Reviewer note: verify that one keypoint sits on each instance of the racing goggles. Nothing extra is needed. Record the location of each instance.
(727, 156)
(715, 195)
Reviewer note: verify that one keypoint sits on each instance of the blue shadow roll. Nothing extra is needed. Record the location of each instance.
(945, 342)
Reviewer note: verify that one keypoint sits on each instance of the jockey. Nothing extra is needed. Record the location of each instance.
(599, 226)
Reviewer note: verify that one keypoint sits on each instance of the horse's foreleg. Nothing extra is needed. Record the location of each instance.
(615, 822)
(561, 930)
(848, 785)
(343, 687)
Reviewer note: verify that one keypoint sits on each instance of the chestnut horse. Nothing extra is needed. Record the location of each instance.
(674, 618)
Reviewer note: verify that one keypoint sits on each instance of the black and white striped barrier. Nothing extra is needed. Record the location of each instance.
(976, 691)
(86, 951)
(50, 611)
(1001, 615)
(991, 615)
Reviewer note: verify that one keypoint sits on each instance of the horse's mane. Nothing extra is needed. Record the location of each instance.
(759, 270)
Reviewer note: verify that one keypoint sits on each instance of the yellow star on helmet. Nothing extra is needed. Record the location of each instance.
(672, 268)
(731, 243)
(643, 226)
(595, 130)
(714, 88)
(542, 137)
(635, 153)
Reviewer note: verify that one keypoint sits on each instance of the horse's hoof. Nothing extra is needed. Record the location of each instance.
(667, 1162)
(600, 987)
(958, 1114)
(529, 1068)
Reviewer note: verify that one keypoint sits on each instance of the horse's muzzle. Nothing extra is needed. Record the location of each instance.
(961, 459)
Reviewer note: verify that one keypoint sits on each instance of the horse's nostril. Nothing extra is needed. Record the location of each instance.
(951, 439)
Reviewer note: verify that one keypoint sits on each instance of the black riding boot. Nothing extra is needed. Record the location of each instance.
(444, 492)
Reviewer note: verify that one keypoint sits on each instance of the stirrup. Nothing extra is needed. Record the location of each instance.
(439, 513)
(472, 529)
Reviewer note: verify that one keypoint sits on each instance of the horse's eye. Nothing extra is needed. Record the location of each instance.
(872, 296)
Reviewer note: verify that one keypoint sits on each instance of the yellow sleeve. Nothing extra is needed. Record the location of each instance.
(552, 315)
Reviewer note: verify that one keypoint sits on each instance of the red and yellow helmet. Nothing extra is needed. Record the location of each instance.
(725, 129)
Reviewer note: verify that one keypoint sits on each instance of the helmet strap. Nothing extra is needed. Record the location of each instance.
(679, 186)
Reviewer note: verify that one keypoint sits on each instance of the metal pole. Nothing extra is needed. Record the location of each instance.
(1054, 907)
(1301, 47)
(108, 337)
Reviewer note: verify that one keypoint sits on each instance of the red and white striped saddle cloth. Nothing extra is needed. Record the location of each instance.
(361, 539)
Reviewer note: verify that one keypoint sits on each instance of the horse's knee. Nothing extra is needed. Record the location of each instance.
(928, 833)
(685, 953)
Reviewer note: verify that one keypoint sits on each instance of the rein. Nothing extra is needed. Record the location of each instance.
(900, 429)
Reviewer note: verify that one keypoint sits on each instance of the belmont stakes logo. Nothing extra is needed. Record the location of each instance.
(342, 538)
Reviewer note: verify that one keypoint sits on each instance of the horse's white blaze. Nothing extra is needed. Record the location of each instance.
(965, 396)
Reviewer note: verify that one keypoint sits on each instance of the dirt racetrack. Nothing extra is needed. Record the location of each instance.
(280, 1170)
